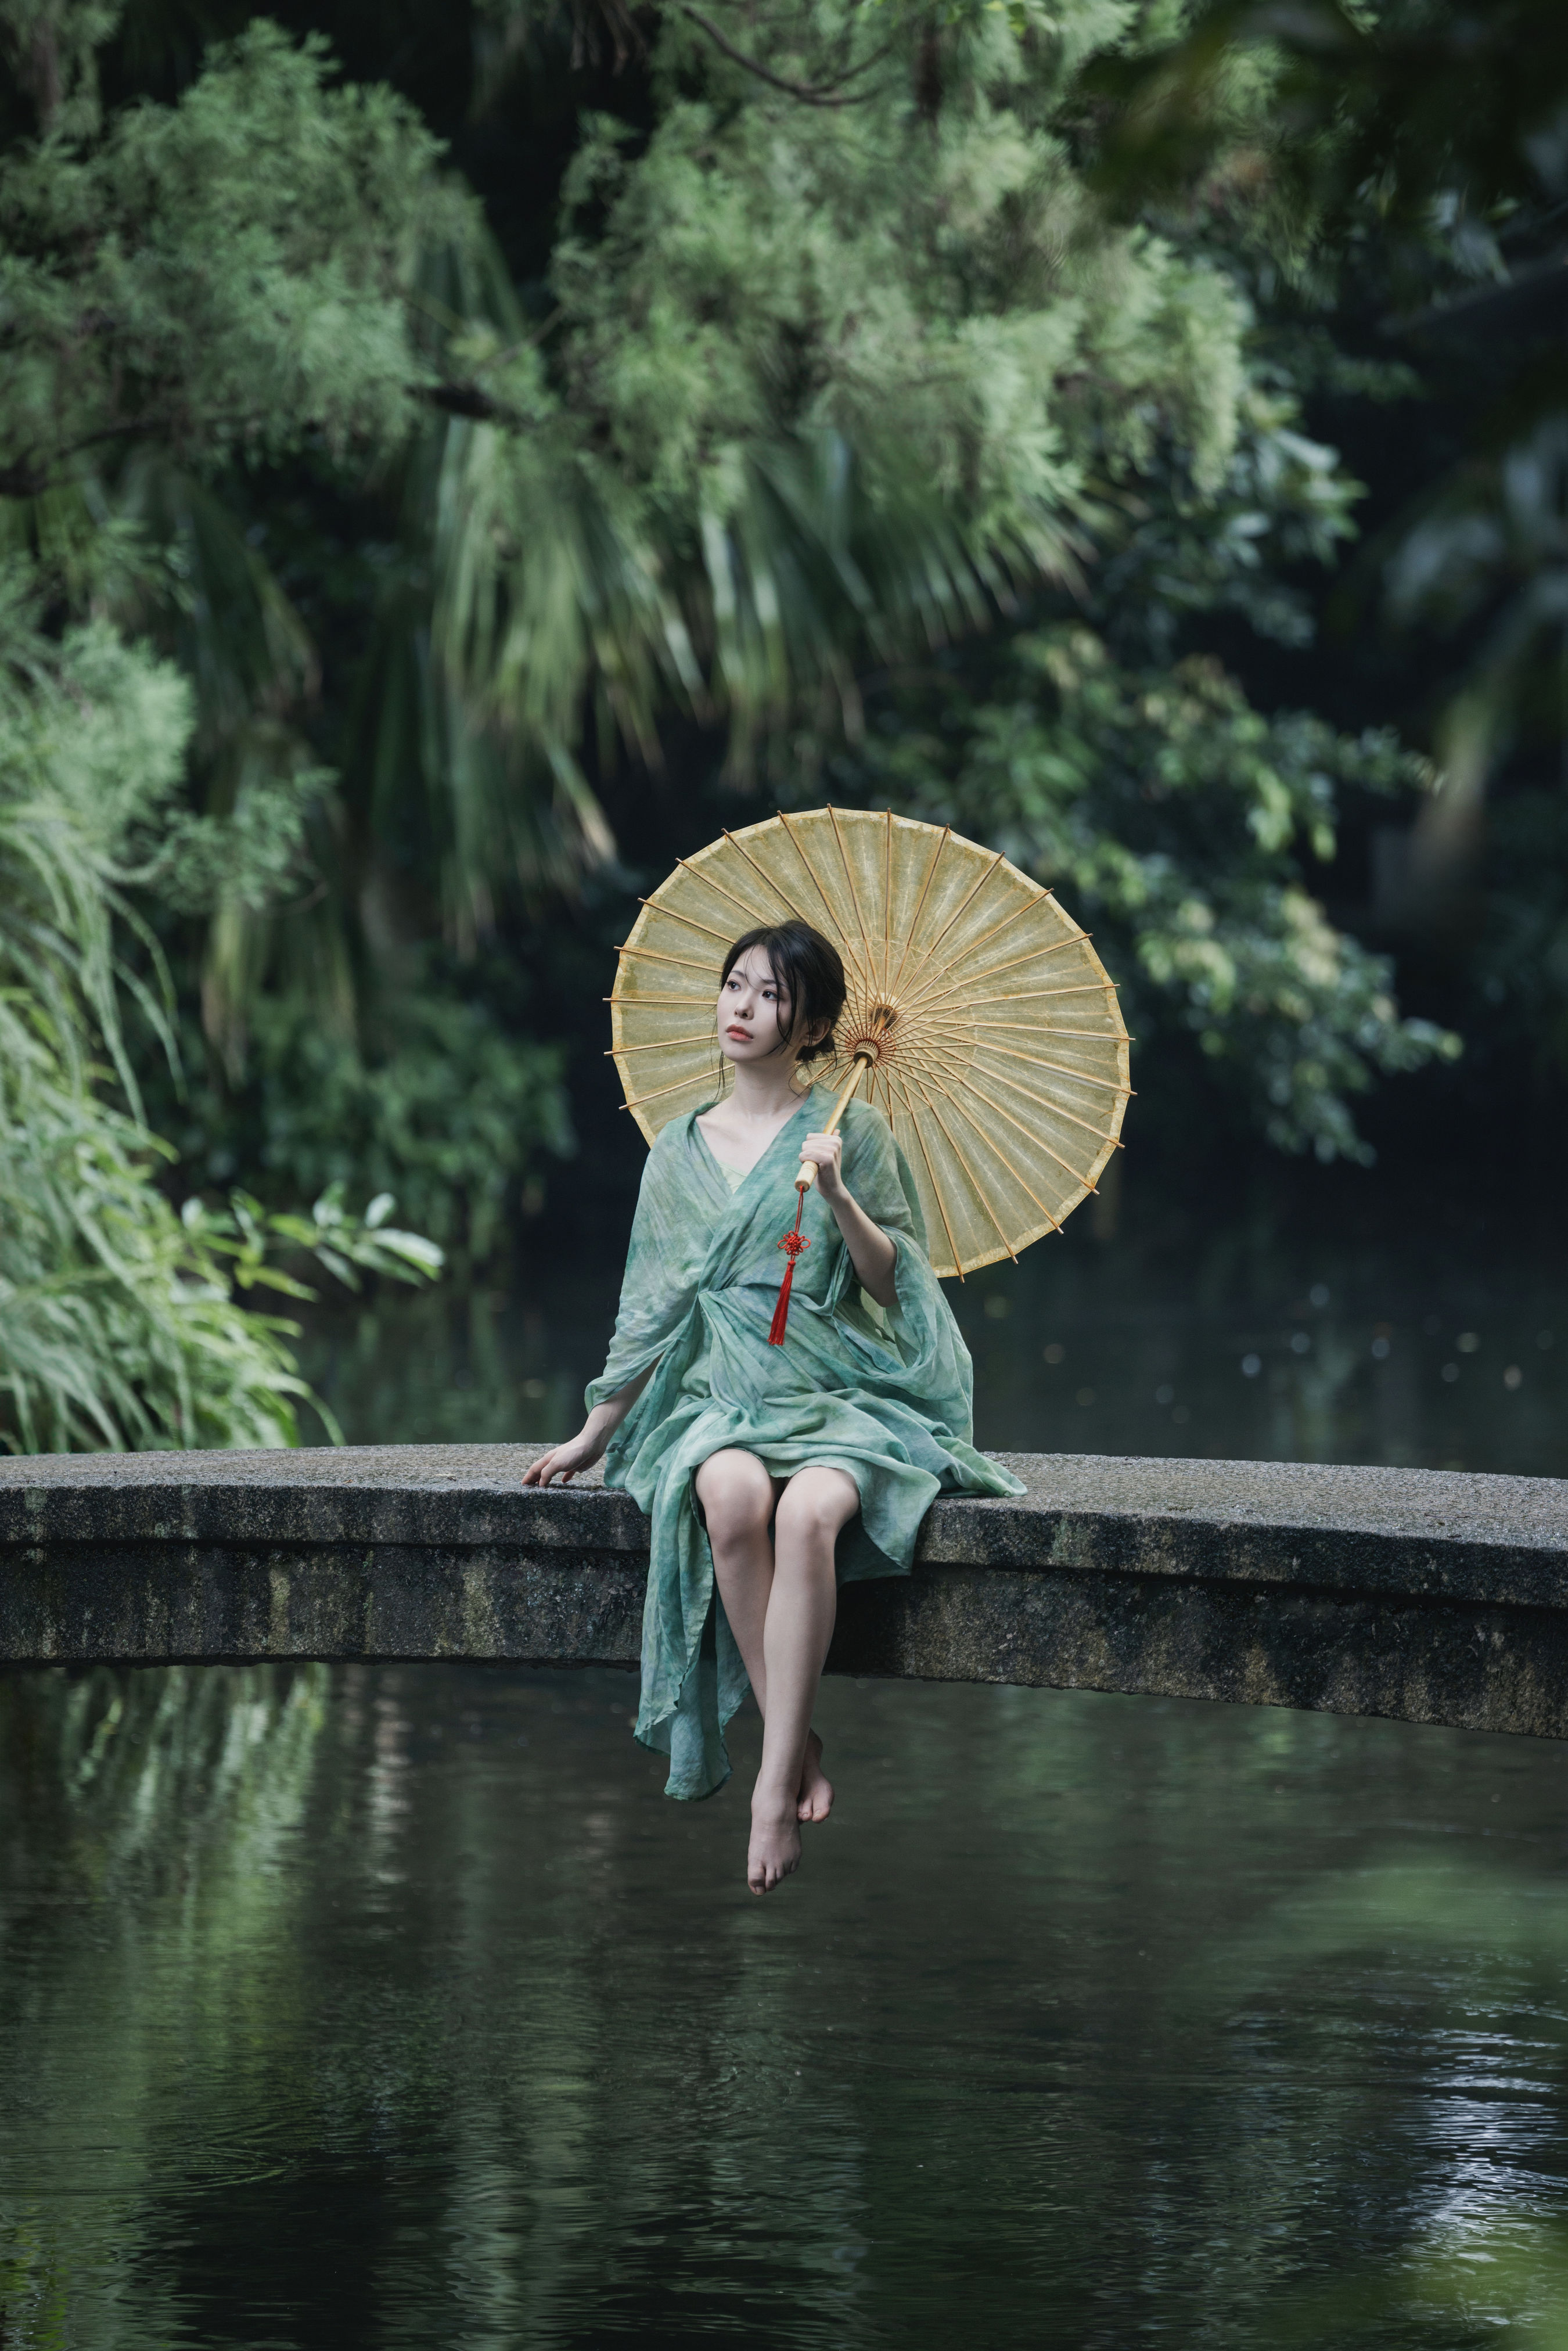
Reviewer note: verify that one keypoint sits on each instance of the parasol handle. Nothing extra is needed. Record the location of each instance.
(864, 1060)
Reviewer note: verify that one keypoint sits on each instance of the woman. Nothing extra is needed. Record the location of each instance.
(776, 1472)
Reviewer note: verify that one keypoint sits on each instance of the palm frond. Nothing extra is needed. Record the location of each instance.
(818, 560)
(554, 595)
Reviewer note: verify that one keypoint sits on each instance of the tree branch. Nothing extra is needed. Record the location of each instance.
(822, 95)
(29, 477)
(467, 399)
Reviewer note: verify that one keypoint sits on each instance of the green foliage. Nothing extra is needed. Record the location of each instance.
(114, 1331)
(245, 1234)
(1422, 151)
(820, 379)
(1404, 112)
(816, 377)
(452, 1115)
(51, 49)
(1178, 823)
(92, 738)
(1241, 547)
(219, 277)
(818, 384)
(861, 254)
(119, 1325)
(1194, 832)
(850, 333)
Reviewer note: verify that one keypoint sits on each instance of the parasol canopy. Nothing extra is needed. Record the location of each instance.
(978, 1016)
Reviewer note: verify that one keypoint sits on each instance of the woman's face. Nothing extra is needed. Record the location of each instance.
(754, 1008)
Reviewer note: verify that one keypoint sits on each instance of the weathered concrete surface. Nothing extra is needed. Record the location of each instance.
(1426, 1595)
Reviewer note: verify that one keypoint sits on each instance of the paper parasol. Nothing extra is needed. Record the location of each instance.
(978, 1016)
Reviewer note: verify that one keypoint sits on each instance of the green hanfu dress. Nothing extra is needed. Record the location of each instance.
(886, 1397)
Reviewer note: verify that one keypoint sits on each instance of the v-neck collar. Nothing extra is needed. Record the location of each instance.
(716, 1165)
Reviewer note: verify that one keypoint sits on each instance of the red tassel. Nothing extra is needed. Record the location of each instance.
(792, 1244)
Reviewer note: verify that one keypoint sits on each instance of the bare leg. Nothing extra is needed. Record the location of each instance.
(801, 1607)
(738, 1498)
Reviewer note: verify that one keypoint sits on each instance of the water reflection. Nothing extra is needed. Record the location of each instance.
(396, 2007)
(1404, 1335)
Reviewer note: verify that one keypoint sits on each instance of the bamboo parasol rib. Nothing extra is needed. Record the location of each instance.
(978, 1019)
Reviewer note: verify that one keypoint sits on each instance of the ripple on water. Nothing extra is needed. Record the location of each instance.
(417, 2016)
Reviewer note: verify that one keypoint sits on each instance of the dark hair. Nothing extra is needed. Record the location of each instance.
(810, 970)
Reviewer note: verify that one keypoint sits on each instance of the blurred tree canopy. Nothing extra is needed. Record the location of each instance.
(527, 436)
(1418, 151)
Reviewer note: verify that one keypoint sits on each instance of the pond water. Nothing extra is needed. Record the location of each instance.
(396, 2007)
(1356, 1319)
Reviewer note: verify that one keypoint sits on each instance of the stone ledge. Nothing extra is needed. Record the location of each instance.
(1436, 1532)
(1429, 1596)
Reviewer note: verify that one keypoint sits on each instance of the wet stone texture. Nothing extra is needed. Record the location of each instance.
(1426, 1595)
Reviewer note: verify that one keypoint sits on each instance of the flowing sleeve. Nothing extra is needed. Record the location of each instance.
(934, 1366)
(663, 1262)
(878, 1175)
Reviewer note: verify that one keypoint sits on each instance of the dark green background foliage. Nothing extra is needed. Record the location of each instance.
(452, 460)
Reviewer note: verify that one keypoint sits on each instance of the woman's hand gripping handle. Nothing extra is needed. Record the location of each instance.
(819, 1150)
(821, 1163)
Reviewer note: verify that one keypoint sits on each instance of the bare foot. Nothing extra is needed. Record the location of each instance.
(775, 1849)
(815, 1789)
